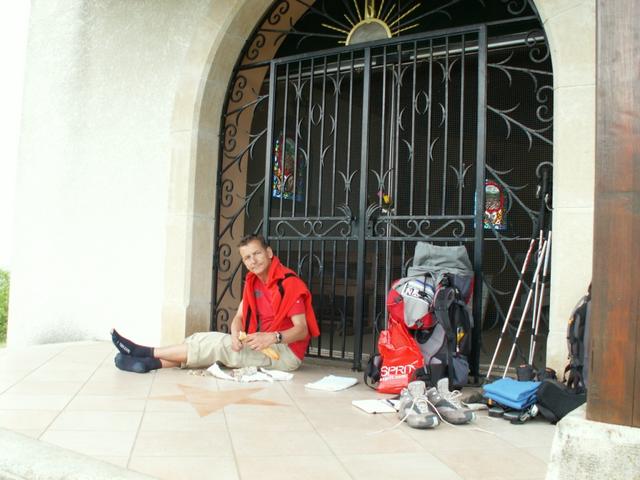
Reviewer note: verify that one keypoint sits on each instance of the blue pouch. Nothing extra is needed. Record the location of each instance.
(511, 393)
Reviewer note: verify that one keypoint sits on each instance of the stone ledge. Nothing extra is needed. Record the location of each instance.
(24, 458)
(591, 450)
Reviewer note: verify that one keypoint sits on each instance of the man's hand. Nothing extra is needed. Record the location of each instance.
(236, 344)
(268, 351)
(260, 340)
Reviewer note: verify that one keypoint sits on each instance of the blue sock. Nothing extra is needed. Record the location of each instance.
(127, 347)
(137, 364)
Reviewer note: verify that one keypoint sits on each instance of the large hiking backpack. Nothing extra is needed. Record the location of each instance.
(556, 399)
(433, 302)
(575, 374)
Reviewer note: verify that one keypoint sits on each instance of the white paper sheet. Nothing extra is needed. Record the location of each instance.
(332, 383)
(374, 405)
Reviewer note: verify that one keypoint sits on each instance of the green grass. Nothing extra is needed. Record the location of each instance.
(4, 305)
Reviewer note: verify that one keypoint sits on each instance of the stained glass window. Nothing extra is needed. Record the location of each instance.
(288, 170)
(494, 206)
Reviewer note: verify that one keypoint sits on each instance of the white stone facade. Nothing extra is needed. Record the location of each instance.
(115, 197)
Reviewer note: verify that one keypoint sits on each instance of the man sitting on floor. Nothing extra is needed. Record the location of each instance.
(275, 312)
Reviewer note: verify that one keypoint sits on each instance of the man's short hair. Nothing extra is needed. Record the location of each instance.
(244, 241)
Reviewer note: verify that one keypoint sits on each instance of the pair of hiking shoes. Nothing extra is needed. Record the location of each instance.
(422, 408)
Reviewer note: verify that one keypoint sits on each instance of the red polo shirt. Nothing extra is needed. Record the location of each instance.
(266, 314)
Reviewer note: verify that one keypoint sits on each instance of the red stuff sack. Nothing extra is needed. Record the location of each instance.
(410, 300)
(401, 357)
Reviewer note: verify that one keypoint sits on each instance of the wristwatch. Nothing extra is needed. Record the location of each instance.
(278, 337)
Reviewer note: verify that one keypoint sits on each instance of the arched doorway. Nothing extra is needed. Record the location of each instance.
(458, 103)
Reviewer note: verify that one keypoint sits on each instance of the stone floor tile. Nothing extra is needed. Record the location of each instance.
(188, 421)
(385, 466)
(483, 463)
(293, 467)
(33, 401)
(182, 444)
(110, 444)
(186, 468)
(107, 403)
(270, 443)
(97, 421)
(352, 442)
(27, 419)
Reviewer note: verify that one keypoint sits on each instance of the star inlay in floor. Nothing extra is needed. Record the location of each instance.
(206, 402)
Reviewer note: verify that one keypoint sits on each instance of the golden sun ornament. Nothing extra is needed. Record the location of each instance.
(375, 22)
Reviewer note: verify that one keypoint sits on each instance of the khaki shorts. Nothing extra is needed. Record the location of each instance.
(206, 348)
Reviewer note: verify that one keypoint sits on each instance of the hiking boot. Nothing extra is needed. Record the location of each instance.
(448, 404)
(413, 407)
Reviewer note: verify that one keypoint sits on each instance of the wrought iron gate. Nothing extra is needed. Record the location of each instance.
(371, 150)
(346, 158)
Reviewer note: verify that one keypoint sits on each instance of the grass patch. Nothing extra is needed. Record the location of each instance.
(4, 305)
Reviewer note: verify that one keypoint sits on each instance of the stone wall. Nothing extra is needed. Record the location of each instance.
(93, 173)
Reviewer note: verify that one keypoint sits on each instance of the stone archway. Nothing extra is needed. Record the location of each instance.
(200, 98)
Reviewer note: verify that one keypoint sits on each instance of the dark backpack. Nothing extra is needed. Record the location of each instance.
(556, 399)
(575, 374)
(446, 347)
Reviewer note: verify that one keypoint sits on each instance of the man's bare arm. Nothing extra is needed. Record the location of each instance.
(299, 331)
(235, 328)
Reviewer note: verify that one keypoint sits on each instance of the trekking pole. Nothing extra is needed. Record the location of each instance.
(535, 283)
(513, 302)
(538, 313)
(524, 312)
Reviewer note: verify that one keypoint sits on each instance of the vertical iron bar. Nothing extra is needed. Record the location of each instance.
(267, 161)
(333, 204)
(394, 144)
(383, 137)
(383, 97)
(357, 354)
(283, 145)
(396, 164)
(308, 158)
(430, 106)
(321, 272)
(321, 146)
(335, 134)
(446, 125)
(413, 124)
(396, 126)
(308, 146)
(461, 135)
(479, 200)
(348, 242)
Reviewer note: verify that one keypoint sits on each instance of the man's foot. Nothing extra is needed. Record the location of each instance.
(127, 347)
(136, 364)
(413, 407)
(448, 405)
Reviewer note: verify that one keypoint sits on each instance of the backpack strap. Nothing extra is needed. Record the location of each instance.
(281, 280)
(573, 372)
(280, 289)
(444, 297)
(247, 320)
